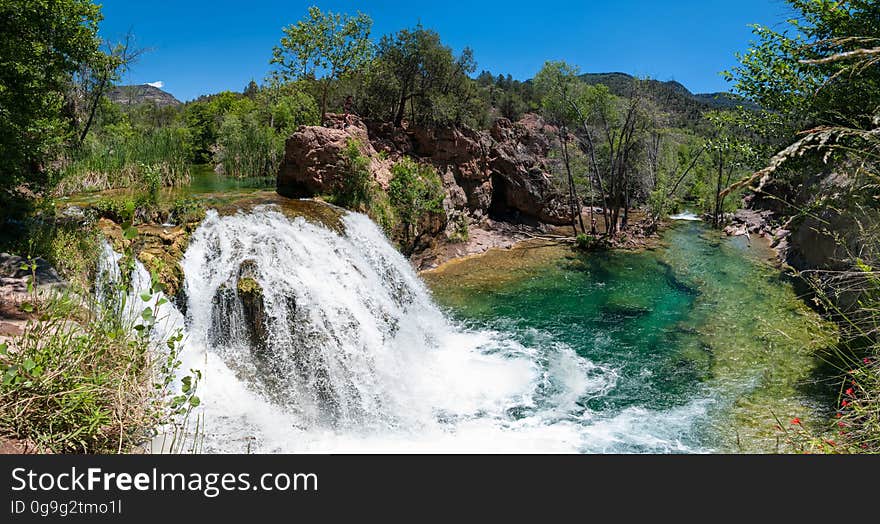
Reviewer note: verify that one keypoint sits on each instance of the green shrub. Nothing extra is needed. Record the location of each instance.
(461, 231)
(415, 191)
(85, 379)
(186, 211)
(356, 185)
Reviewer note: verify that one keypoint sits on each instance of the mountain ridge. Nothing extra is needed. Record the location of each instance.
(137, 94)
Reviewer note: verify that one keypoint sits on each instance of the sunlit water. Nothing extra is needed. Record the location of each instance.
(707, 342)
(692, 348)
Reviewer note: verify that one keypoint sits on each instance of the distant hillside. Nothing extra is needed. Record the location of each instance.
(141, 94)
(671, 96)
(725, 100)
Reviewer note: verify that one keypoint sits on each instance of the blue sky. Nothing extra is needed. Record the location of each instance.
(200, 47)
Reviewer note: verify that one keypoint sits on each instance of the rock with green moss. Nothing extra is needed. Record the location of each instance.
(250, 293)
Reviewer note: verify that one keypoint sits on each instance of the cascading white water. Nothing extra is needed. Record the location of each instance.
(356, 357)
(686, 215)
(349, 353)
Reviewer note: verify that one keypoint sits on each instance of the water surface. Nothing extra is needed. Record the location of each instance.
(708, 342)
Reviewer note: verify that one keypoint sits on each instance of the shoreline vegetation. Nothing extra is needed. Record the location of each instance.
(450, 163)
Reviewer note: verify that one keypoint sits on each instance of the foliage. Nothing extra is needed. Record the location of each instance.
(793, 72)
(44, 44)
(326, 46)
(355, 189)
(460, 230)
(85, 378)
(248, 148)
(413, 71)
(122, 156)
(415, 190)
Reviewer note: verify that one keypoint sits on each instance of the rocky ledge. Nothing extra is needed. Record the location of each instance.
(502, 173)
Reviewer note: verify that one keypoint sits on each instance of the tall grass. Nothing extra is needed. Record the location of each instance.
(123, 159)
(84, 377)
(246, 148)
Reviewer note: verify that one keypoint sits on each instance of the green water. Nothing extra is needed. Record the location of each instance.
(204, 184)
(203, 180)
(702, 328)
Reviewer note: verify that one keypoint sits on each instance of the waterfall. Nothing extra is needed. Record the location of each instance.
(319, 339)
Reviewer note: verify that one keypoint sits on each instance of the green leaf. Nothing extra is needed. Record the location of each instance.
(11, 373)
(3, 349)
(194, 401)
(27, 307)
(146, 297)
(28, 364)
(130, 232)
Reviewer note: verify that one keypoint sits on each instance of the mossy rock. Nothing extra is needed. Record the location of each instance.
(250, 292)
(249, 286)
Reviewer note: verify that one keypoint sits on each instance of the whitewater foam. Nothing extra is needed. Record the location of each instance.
(358, 358)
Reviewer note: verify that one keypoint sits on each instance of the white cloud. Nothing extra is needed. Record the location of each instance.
(158, 84)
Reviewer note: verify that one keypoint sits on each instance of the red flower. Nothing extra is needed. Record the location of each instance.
(839, 415)
(849, 391)
(844, 403)
(866, 360)
(796, 420)
(841, 424)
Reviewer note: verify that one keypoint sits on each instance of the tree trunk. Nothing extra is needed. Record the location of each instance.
(324, 88)
(99, 91)
(401, 107)
(716, 219)
(573, 203)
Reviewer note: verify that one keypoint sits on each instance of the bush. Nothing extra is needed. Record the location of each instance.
(356, 186)
(84, 378)
(461, 231)
(415, 191)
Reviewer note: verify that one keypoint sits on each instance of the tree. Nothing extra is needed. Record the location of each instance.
(414, 71)
(731, 153)
(97, 76)
(560, 87)
(44, 44)
(325, 47)
(793, 72)
(251, 89)
(610, 131)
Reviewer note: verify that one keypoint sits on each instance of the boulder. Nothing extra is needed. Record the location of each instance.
(314, 158)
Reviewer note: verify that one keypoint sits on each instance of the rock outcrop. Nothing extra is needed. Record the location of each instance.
(503, 172)
(314, 158)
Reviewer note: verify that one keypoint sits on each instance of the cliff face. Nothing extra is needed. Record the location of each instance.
(503, 172)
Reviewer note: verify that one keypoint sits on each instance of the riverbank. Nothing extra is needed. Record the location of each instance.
(642, 234)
